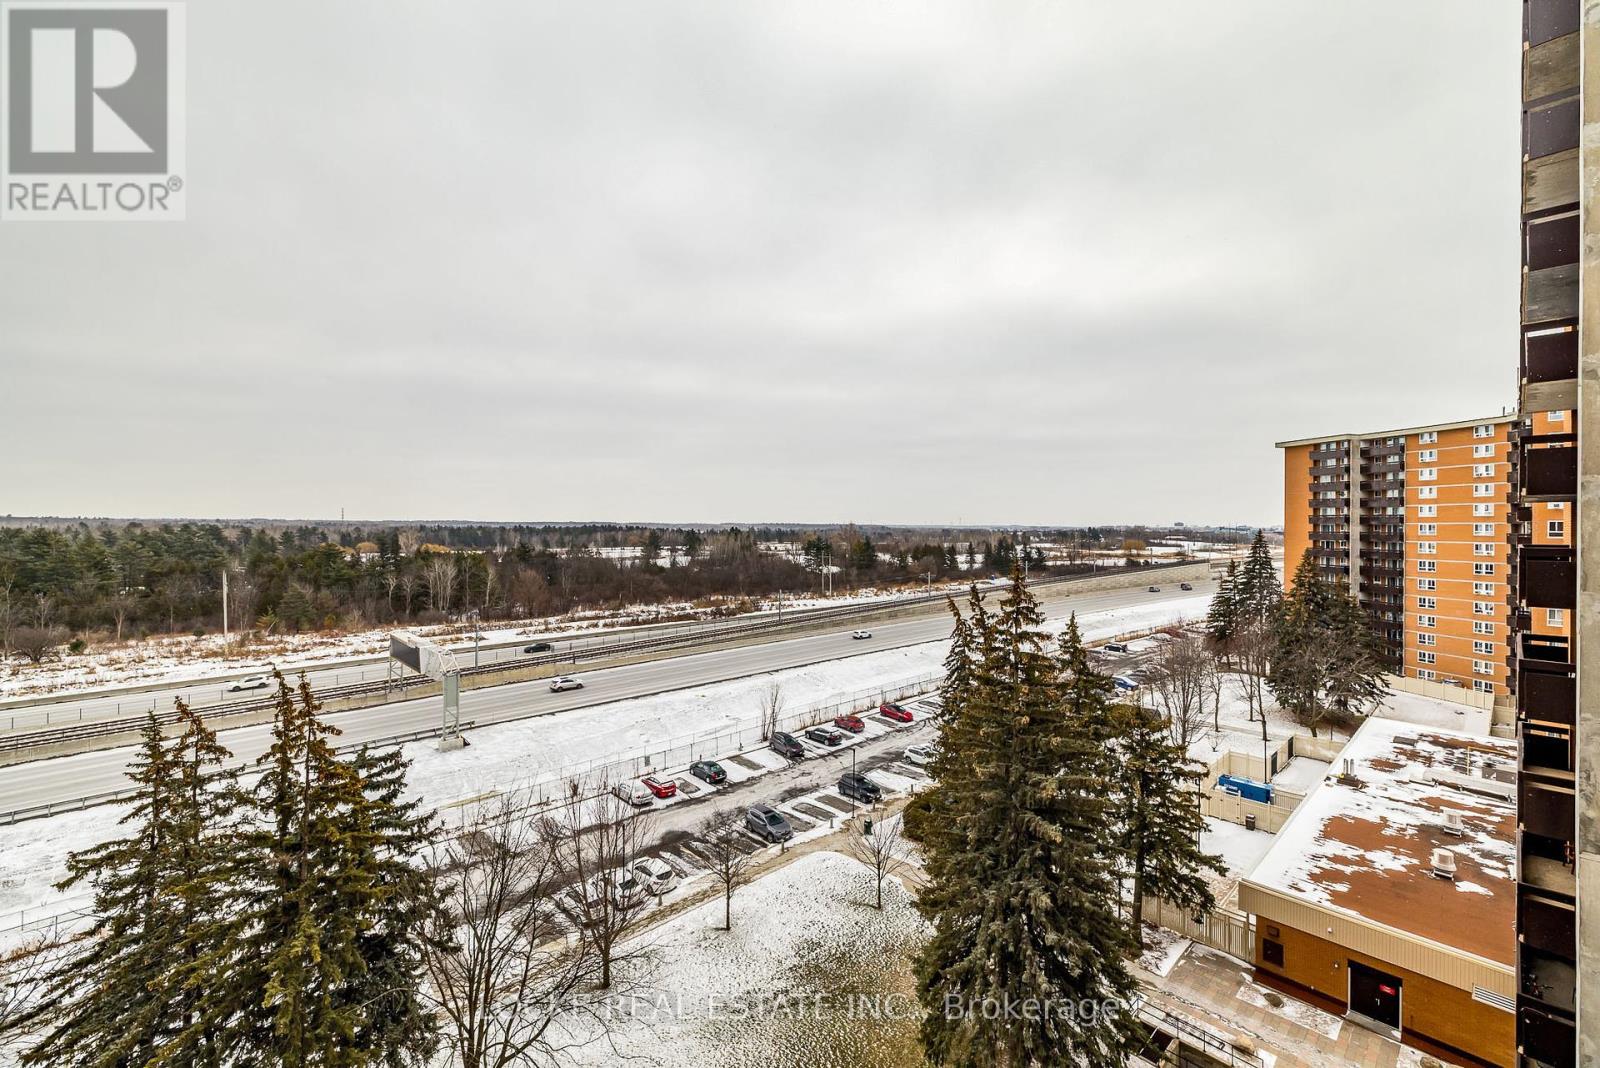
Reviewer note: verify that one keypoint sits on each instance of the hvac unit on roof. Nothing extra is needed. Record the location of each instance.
(1452, 823)
(1444, 864)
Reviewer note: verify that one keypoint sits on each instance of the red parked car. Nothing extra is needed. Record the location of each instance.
(659, 788)
(849, 723)
(894, 712)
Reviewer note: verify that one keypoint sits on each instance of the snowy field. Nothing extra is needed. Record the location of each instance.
(810, 975)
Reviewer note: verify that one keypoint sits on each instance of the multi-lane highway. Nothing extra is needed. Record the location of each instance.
(64, 778)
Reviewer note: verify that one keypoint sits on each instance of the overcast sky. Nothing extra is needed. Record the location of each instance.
(1032, 262)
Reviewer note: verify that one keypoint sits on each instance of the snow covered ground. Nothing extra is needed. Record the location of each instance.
(811, 974)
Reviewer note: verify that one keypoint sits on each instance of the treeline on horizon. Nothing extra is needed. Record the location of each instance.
(130, 579)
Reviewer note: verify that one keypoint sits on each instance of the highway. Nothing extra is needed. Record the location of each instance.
(64, 778)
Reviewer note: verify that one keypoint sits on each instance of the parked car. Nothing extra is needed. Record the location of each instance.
(825, 735)
(656, 875)
(921, 754)
(636, 794)
(858, 635)
(769, 823)
(627, 891)
(538, 647)
(250, 682)
(1118, 648)
(1154, 589)
(565, 682)
(895, 712)
(662, 788)
(1124, 684)
(1185, 585)
(787, 745)
(849, 722)
(708, 771)
(856, 785)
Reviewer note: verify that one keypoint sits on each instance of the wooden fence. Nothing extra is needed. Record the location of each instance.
(1231, 931)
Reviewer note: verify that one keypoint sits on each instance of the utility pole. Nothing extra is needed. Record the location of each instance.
(225, 602)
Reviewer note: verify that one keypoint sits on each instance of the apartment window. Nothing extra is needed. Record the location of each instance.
(1483, 530)
(1428, 437)
(1427, 565)
(1482, 569)
(1557, 528)
(1554, 617)
(1427, 621)
(1558, 417)
(1427, 474)
(1483, 548)
(1428, 548)
(1483, 450)
(1483, 489)
(1483, 667)
(1425, 675)
(1483, 589)
(1427, 602)
(1427, 493)
(1485, 648)
(1426, 639)
(1425, 657)
(1427, 584)
(1483, 430)
(1482, 687)
(1427, 509)
(1483, 608)
(1558, 506)
(1480, 626)
(1427, 528)
(1483, 470)
(1483, 509)
(1428, 456)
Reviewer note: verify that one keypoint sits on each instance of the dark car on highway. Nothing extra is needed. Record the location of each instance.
(855, 785)
(787, 745)
(825, 735)
(538, 647)
(708, 771)
(1154, 589)
(1185, 586)
(850, 723)
(769, 823)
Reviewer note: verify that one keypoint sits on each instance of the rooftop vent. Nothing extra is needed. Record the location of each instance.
(1444, 864)
(1452, 823)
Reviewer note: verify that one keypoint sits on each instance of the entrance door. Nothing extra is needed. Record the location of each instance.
(1375, 995)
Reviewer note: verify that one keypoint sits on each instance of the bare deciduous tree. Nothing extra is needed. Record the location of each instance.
(1252, 650)
(440, 575)
(36, 643)
(771, 710)
(729, 854)
(1181, 682)
(594, 840)
(24, 970)
(500, 974)
(884, 852)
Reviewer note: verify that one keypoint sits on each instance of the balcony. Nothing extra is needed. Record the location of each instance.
(1547, 576)
(1547, 1038)
(1549, 474)
(1546, 809)
(1547, 690)
(1547, 925)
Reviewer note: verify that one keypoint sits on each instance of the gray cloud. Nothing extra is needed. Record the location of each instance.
(1017, 262)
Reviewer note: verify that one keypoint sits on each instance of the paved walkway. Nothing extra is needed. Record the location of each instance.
(1216, 990)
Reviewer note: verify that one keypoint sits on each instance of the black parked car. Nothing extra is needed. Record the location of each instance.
(856, 785)
(769, 823)
(825, 735)
(708, 771)
(787, 745)
(538, 647)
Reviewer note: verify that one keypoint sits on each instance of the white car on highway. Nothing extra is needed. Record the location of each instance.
(565, 682)
(858, 635)
(250, 682)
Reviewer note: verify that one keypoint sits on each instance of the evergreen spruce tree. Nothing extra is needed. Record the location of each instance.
(1222, 618)
(108, 1004)
(1256, 587)
(1023, 899)
(1355, 675)
(1301, 653)
(1161, 820)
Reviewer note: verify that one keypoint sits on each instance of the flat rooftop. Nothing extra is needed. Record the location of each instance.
(1363, 844)
(1457, 424)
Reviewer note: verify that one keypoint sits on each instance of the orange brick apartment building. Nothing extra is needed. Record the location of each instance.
(1417, 523)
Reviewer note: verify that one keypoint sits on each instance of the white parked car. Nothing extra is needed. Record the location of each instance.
(656, 875)
(250, 682)
(634, 793)
(858, 635)
(921, 754)
(565, 682)
(625, 891)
